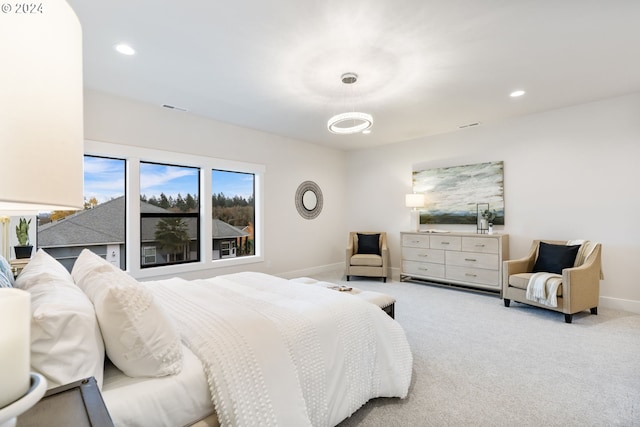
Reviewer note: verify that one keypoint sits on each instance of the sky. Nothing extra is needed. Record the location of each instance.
(232, 183)
(104, 179)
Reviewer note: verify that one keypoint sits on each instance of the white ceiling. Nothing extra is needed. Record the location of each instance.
(425, 66)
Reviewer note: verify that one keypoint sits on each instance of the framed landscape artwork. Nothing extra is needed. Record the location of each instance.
(453, 193)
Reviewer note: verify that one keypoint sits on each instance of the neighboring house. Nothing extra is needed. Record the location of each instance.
(227, 239)
(102, 229)
(153, 251)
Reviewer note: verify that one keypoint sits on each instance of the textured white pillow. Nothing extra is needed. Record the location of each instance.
(138, 335)
(66, 344)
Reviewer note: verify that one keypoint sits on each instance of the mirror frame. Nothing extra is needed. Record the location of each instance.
(300, 192)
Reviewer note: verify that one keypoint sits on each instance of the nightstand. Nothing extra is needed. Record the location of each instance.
(17, 265)
(77, 404)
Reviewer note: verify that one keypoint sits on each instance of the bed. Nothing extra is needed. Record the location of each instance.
(239, 349)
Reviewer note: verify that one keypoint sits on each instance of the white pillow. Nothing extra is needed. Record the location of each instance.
(138, 336)
(43, 267)
(66, 344)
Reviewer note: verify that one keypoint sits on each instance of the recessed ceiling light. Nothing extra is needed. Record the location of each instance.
(517, 93)
(125, 49)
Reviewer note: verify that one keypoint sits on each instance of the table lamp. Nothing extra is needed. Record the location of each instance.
(415, 201)
(41, 129)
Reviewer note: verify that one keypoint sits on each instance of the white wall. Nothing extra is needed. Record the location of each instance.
(570, 173)
(293, 245)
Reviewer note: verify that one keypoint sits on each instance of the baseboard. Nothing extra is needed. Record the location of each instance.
(620, 304)
(334, 271)
(337, 269)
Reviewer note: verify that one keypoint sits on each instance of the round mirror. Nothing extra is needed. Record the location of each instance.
(309, 200)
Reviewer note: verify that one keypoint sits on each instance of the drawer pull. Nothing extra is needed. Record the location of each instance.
(415, 241)
(471, 275)
(423, 269)
(423, 255)
(444, 243)
(470, 259)
(479, 245)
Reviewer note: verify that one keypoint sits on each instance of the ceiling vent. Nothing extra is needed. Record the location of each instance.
(173, 107)
(469, 125)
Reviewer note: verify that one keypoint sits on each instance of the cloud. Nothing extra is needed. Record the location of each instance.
(168, 179)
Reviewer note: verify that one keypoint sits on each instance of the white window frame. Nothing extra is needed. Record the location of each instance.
(133, 156)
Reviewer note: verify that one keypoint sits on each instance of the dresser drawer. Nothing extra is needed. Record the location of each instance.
(449, 243)
(413, 268)
(480, 244)
(415, 240)
(473, 259)
(423, 255)
(474, 275)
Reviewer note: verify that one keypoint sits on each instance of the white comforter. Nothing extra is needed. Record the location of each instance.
(282, 354)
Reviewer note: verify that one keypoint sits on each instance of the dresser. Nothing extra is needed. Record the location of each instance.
(467, 259)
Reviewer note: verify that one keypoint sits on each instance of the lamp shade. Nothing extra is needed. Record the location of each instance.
(414, 200)
(41, 117)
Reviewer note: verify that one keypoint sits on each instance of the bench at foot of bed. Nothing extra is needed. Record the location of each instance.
(384, 301)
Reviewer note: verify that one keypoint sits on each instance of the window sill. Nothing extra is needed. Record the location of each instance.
(202, 266)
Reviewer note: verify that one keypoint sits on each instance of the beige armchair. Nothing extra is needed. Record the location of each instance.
(579, 288)
(367, 255)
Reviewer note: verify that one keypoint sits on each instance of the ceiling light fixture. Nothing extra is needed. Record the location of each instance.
(517, 93)
(351, 122)
(125, 49)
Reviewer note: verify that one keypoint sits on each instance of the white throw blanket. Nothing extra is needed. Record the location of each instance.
(281, 354)
(543, 288)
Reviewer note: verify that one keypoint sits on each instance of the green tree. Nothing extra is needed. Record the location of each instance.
(172, 236)
(180, 203)
(192, 203)
(164, 201)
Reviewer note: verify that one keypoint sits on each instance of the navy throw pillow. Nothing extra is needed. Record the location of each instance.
(555, 258)
(369, 244)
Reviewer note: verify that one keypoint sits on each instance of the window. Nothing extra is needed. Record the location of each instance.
(100, 226)
(162, 218)
(170, 213)
(226, 249)
(234, 213)
(148, 255)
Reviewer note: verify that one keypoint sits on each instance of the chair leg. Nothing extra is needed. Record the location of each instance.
(568, 318)
(507, 302)
(594, 310)
(384, 279)
(348, 277)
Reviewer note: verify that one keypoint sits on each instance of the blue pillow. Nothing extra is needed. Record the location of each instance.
(555, 258)
(6, 273)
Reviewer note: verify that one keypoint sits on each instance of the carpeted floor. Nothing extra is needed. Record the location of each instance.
(478, 363)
